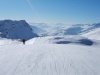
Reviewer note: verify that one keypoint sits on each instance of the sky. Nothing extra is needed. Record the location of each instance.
(51, 11)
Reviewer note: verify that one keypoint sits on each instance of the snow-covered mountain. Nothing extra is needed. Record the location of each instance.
(39, 31)
(93, 34)
(66, 29)
(16, 30)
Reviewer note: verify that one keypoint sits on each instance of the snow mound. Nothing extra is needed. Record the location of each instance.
(4, 42)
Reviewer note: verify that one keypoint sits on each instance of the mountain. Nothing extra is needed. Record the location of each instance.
(39, 31)
(16, 30)
(61, 29)
(93, 34)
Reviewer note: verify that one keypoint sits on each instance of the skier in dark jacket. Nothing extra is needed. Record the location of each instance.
(23, 41)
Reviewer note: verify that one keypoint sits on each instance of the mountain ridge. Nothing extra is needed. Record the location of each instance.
(60, 29)
(13, 29)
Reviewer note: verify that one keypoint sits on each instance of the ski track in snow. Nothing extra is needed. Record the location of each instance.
(49, 59)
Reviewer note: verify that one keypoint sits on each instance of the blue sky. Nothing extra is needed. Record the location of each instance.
(51, 11)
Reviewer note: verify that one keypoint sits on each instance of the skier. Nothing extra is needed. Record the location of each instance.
(23, 41)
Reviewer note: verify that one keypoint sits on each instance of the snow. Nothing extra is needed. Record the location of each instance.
(64, 54)
(94, 34)
(49, 58)
(90, 31)
(4, 42)
(62, 40)
(60, 29)
(16, 30)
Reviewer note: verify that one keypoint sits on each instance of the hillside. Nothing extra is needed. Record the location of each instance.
(16, 30)
(93, 34)
(65, 29)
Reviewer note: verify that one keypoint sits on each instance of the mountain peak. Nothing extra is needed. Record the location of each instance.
(16, 30)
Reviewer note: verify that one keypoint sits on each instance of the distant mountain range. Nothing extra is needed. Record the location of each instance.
(22, 30)
(16, 30)
(61, 29)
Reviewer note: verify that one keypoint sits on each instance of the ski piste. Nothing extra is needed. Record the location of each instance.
(40, 56)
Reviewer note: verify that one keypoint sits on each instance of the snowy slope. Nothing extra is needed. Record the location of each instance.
(94, 34)
(49, 59)
(4, 41)
(16, 30)
(61, 40)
